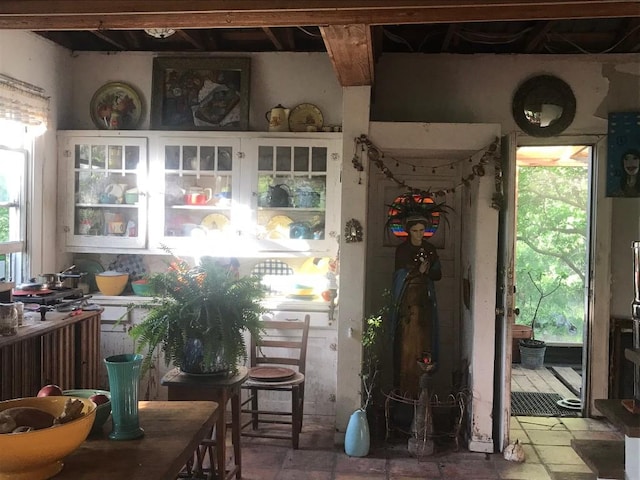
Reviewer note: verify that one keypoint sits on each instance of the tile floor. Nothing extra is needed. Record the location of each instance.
(546, 442)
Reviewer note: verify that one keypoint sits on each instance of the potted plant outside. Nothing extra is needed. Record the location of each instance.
(200, 317)
(532, 350)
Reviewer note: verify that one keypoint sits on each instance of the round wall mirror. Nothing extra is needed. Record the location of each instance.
(543, 106)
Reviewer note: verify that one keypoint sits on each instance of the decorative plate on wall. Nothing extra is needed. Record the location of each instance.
(304, 116)
(116, 106)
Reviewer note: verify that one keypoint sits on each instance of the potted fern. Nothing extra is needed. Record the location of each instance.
(200, 317)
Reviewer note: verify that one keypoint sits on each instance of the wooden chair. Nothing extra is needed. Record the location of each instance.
(277, 364)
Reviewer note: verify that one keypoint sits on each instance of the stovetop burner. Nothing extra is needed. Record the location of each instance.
(50, 299)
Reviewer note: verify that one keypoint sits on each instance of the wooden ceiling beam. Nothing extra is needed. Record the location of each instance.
(132, 14)
(350, 49)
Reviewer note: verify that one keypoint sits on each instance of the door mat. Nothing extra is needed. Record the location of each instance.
(536, 404)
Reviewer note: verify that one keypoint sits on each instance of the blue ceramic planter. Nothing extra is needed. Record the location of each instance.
(356, 439)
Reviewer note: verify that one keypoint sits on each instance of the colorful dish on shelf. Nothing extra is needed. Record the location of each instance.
(215, 221)
(279, 222)
(303, 116)
(116, 106)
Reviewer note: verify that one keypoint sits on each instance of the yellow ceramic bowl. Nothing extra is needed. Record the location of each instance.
(111, 283)
(38, 455)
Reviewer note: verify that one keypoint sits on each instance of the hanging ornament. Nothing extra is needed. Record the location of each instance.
(353, 231)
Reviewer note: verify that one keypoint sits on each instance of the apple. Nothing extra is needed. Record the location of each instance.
(50, 390)
(99, 399)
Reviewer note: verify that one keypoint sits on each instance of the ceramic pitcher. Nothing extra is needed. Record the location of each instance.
(278, 118)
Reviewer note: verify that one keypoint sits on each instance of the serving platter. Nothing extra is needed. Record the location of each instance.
(303, 116)
(271, 374)
(215, 221)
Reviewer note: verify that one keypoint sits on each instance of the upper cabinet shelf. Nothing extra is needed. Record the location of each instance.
(210, 193)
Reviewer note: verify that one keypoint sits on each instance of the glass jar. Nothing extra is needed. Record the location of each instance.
(8, 319)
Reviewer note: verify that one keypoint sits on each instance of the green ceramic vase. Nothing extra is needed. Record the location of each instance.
(124, 378)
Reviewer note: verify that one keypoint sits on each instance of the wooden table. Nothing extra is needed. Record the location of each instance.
(220, 389)
(172, 432)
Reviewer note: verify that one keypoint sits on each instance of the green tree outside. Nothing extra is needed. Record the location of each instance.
(551, 254)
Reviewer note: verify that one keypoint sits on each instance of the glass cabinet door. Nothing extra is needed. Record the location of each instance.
(106, 179)
(199, 188)
(295, 191)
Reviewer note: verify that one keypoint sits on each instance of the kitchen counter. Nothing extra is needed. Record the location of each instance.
(64, 350)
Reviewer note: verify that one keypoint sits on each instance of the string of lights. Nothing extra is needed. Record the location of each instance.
(363, 145)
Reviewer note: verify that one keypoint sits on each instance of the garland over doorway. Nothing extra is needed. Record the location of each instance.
(490, 153)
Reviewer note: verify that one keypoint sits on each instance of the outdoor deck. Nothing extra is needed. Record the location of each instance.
(563, 380)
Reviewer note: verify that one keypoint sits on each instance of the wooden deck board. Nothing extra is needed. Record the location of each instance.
(571, 377)
(538, 380)
(605, 458)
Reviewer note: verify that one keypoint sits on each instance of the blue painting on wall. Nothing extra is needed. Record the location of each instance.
(623, 155)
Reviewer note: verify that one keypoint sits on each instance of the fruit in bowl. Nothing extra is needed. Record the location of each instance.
(102, 399)
(38, 454)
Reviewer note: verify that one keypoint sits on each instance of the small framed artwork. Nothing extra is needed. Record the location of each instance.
(623, 155)
(200, 93)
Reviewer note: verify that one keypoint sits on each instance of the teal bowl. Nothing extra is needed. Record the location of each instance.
(142, 288)
(102, 411)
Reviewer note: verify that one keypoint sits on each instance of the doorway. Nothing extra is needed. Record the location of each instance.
(550, 279)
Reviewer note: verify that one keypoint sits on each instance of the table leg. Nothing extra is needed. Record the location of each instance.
(235, 431)
(221, 433)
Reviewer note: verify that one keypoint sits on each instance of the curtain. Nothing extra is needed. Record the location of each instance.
(22, 102)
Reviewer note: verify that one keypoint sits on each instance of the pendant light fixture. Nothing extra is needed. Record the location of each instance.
(159, 32)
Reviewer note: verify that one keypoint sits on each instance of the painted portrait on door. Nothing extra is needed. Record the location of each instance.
(623, 155)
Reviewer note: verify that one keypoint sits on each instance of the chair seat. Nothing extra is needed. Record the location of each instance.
(297, 379)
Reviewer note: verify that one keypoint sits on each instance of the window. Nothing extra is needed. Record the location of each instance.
(23, 115)
(13, 171)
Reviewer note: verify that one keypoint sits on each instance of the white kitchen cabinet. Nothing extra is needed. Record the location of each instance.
(201, 193)
(105, 185)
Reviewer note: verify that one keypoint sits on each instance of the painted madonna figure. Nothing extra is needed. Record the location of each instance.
(415, 312)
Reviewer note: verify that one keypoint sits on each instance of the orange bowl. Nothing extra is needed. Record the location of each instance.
(37, 455)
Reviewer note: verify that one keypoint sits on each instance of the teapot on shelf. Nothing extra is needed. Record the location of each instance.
(279, 195)
(278, 118)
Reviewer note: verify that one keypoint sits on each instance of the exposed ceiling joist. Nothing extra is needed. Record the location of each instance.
(192, 38)
(107, 37)
(132, 14)
(350, 49)
(272, 36)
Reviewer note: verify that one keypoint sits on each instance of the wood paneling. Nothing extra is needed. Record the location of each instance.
(61, 351)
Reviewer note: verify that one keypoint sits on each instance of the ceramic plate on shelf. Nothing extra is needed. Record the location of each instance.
(116, 106)
(303, 116)
(279, 222)
(215, 221)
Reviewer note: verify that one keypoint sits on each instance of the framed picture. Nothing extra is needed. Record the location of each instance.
(623, 155)
(198, 93)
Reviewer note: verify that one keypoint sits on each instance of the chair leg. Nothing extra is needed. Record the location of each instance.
(296, 424)
(254, 407)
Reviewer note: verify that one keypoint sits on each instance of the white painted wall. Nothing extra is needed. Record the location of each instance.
(286, 78)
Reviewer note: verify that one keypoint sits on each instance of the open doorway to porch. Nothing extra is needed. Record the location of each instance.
(551, 252)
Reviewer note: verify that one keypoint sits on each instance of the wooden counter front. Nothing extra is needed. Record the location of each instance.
(64, 350)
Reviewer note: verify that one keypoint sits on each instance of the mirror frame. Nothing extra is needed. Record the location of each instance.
(559, 92)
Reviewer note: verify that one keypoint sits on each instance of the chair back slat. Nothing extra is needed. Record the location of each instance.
(279, 337)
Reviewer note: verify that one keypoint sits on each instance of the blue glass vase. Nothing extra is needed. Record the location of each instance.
(124, 379)
(356, 439)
